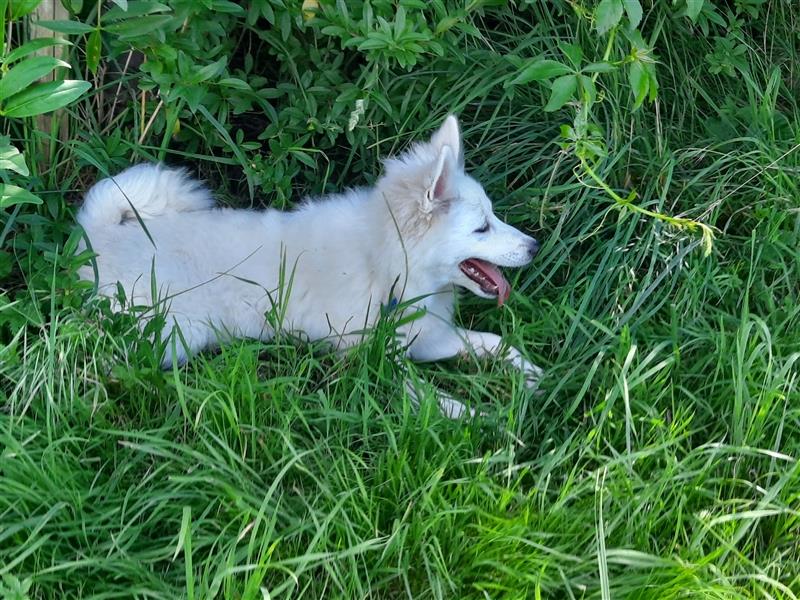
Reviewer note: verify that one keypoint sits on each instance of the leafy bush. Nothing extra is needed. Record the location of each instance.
(652, 146)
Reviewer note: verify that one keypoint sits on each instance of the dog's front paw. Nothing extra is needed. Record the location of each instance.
(531, 373)
(452, 408)
(448, 405)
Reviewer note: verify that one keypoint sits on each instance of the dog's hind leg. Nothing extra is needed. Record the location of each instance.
(185, 338)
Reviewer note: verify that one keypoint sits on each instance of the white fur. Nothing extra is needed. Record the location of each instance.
(219, 271)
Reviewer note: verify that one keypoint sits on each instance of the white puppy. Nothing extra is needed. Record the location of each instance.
(323, 270)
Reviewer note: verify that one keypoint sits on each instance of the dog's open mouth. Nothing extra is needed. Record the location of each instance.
(488, 276)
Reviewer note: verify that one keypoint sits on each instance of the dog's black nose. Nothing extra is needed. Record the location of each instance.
(533, 247)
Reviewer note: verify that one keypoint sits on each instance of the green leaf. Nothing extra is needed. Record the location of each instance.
(45, 97)
(225, 6)
(236, 83)
(69, 27)
(208, 71)
(185, 532)
(650, 69)
(11, 195)
(446, 24)
(193, 94)
(229, 141)
(589, 89)
(268, 13)
(375, 41)
(134, 9)
(634, 11)
(94, 48)
(599, 67)
(594, 149)
(6, 264)
(540, 70)
(562, 92)
(693, 8)
(607, 15)
(304, 158)
(12, 159)
(639, 81)
(33, 46)
(573, 52)
(399, 21)
(21, 8)
(3, 13)
(285, 25)
(123, 4)
(27, 72)
(139, 25)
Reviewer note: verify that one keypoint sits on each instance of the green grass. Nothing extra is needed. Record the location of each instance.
(661, 460)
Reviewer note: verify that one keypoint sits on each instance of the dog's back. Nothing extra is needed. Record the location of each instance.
(219, 270)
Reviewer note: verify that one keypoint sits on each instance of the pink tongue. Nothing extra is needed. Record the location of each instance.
(493, 274)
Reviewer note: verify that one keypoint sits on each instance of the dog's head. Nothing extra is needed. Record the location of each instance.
(448, 218)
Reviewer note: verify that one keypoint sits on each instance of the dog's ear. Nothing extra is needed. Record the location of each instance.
(449, 135)
(437, 192)
(446, 143)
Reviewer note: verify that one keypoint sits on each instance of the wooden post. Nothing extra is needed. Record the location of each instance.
(49, 10)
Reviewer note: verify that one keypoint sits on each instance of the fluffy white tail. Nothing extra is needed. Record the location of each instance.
(146, 190)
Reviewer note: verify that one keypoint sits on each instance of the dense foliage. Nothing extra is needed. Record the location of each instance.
(651, 145)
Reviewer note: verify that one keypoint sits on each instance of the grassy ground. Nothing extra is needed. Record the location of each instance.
(660, 462)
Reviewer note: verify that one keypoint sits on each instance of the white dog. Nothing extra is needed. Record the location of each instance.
(326, 268)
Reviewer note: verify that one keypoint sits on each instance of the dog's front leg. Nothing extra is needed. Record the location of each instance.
(485, 344)
(450, 342)
(450, 407)
(432, 344)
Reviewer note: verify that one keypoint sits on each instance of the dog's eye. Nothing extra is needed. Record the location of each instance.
(483, 229)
